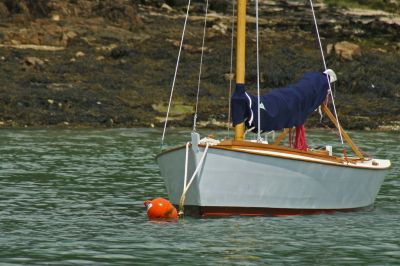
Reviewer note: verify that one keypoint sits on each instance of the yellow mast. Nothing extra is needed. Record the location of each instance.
(240, 56)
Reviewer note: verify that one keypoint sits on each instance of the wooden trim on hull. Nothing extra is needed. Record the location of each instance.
(282, 152)
(214, 211)
(232, 145)
(291, 154)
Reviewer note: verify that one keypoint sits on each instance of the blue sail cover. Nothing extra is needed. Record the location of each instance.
(280, 108)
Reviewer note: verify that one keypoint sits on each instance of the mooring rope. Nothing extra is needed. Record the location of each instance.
(327, 76)
(186, 165)
(186, 187)
(176, 71)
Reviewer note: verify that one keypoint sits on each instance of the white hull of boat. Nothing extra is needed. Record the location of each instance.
(244, 178)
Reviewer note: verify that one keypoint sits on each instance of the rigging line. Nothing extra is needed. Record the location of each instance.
(176, 71)
(327, 76)
(231, 67)
(258, 79)
(201, 65)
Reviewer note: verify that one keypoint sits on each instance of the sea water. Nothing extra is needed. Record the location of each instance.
(75, 197)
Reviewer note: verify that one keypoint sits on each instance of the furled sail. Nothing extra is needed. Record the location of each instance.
(280, 108)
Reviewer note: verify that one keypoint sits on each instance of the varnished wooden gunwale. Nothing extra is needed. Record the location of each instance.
(236, 146)
(273, 147)
(335, 161)
(231, 144)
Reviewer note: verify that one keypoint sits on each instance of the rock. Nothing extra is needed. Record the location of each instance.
(34, 47)
(229, 76)
(188, 47)
(192, 49)
(71, 34)
(381, 50)
(59, 87)
(108, 48)
(391, 20)
(338, 28)
(221, 27)
(33, 61)
(347, 50)
(50, 101)
(166, 7)
(68, 36)
(329, 49)
(55, 17)
(358, 12)
(79, 54)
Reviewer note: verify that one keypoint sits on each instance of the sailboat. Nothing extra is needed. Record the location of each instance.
(238, 176)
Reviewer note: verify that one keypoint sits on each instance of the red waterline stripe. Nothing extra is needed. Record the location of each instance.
(204, 211)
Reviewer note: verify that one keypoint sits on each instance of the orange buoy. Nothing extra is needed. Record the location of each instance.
(160, 208)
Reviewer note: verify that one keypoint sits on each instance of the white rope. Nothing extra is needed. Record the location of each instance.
(231, 67)
(324, 62)
(186, 165)
(201, 65)
(176, 71)
(327, 76)
(258, 80)
(186, 187)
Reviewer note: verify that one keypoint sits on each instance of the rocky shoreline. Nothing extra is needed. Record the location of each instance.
(110, 63)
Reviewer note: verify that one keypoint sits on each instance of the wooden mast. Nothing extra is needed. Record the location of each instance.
(240, 56)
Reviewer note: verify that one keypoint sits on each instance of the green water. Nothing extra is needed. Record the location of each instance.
(75, 197)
